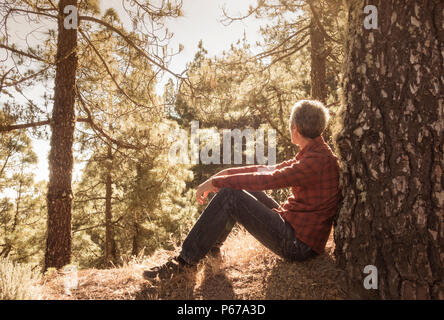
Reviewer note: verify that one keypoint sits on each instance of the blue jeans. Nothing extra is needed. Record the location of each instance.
(253, 211)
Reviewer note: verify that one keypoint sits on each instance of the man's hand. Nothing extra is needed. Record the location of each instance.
(203, 190)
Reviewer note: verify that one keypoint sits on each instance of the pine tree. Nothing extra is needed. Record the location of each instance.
(391, 150)
(21, 203)
(67, 96)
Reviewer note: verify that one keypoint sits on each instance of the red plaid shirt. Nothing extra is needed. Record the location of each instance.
(313, 176)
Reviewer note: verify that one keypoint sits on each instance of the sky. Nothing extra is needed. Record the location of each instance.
(200, 21)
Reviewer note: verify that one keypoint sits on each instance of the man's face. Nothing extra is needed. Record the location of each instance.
(294, 135)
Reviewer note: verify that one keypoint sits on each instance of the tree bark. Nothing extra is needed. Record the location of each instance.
(59, 197)
(110, 247)
(136, 246)
(391, 150)
(318, 63)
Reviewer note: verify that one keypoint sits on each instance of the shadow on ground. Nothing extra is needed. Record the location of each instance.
(215, 285)
(317, 278)
(209, 282)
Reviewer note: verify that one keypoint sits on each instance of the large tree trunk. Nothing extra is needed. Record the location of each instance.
(391, 150)
(59, 197)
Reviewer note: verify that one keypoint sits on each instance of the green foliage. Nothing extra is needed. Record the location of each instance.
(150, 206)
(92, 6)
(125, 142)
(242, 89)
(18, 281)
(22, 206)
(111, 14)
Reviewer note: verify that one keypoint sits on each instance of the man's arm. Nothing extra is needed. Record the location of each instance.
(204, 189)
(254, 168)
(245, 169)
(207, 187)
(297, 173)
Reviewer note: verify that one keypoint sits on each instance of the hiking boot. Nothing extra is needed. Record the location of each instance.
(173, 266)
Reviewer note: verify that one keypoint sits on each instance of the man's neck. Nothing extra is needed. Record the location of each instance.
(304, 142)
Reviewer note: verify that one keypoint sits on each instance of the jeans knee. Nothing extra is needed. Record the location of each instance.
(227, 191)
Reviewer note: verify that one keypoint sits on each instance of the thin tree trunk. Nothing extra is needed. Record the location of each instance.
(59, 197)
(318, 67)
(391, 149)
(110, 249)
(136, 246)
(5, 252)
(318, 63)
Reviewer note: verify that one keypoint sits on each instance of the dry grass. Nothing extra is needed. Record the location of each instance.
(18, 281)
(247, 270)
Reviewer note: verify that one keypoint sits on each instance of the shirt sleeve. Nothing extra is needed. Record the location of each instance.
(256, 168)
(285, 164)
(298, 173)
(237, 170)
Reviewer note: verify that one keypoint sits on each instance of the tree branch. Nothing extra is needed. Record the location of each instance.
(23, 53)
(40, 13)
(13, 84)
(3, 79)
(109, 71)
(318, 22)
(273, 50)
(288, 54)
(33, 125)
(131, 43)
(101, 132)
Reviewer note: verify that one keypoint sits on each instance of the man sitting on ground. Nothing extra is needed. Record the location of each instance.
(296, 230)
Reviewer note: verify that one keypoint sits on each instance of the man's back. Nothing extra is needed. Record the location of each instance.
(311, 206)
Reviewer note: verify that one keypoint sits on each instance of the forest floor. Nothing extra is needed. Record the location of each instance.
(247, 270)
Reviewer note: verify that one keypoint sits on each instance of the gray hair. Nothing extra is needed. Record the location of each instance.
(310, 117)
